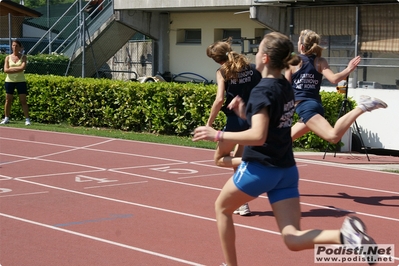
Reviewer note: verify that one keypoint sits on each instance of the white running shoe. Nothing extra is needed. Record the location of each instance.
(5, 121)
(243, 210)
(27, 122)
(354, 233)
(367, 103)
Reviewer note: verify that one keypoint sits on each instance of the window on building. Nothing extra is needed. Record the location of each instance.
(189, 36)
(334, 42)
(233, 33)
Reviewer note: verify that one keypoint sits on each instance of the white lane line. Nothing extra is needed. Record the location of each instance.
(102, 240)
(148, 166)
(346, 166)
(55, 153)
(24, 194)
(120, 184)
(207, 165)
(356, 212)
(205, 175)
(211, 151)
(192, 185)
(166, 180)
(136, 204)
(87, 147)
(47, 160)
(301, 179)
(97, 137)
(4, 178)
(349, 186)
(60, 174)
(181, 213)
(218, 189)
(136, 155)
(144, 206)
(39, 142)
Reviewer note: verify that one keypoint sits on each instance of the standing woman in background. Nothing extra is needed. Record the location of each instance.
(14, 67)
(235, 77)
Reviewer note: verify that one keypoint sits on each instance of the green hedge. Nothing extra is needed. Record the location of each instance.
(43, 64)
(161, 108)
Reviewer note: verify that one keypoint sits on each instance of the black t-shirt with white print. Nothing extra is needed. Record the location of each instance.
(278, 96)
(246, 79)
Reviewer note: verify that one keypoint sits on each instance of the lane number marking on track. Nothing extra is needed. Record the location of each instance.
(2, 177)
(175, 171)
(84, 178)
(5, 190)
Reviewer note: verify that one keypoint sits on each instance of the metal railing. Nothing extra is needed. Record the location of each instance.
(82, 23)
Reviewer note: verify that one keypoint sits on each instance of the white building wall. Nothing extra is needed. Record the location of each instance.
(156, 4)
(381, 74)
(379, 128)
(192, 57)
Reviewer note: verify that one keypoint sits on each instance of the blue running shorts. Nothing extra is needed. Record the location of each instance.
(254, 179)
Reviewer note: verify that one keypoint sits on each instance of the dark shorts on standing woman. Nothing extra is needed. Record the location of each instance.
(20, 86)
(306, 109)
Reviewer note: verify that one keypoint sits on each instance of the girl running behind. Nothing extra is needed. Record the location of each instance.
(306, 80)
(235, 77)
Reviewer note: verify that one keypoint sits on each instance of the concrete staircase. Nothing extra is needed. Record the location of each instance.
(104, 36)
(103, 44)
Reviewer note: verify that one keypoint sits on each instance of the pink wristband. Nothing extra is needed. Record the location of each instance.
(218, 136)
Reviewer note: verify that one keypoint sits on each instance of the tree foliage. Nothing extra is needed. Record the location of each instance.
(37, 3)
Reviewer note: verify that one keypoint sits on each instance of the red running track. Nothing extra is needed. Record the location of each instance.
(70, 199)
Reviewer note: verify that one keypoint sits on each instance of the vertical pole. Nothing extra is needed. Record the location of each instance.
(291, 23)
(9, 31)
(82, 37)
(357, 31)
(48, 26)
(355, 73)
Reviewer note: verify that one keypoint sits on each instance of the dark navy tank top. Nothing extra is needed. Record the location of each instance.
(246, 79)
(306, 81)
